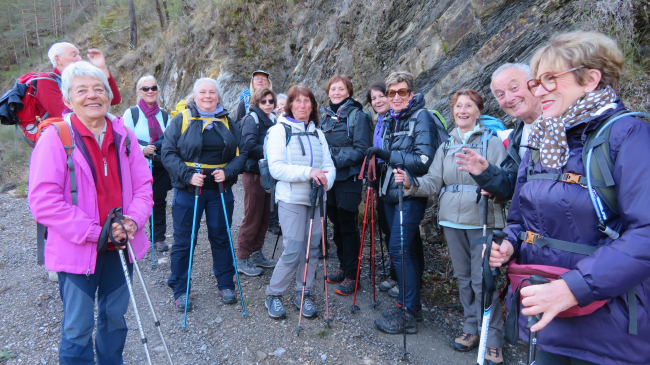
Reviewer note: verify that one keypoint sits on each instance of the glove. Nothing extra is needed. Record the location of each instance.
(379, 152)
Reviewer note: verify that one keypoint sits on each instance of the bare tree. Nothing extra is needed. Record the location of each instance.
(25, 34)
(133, 27)
(38, 39)
(160, 15)
(166, 11)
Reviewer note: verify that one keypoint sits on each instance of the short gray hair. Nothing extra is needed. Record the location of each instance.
(400, 76)
(82, 69)
(508, 66)
(57, 49)
(282, 96)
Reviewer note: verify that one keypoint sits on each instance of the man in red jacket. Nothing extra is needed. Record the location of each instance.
(49, 98)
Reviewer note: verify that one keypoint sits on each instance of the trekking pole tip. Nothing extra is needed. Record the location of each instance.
(354, 308)
(375, 304)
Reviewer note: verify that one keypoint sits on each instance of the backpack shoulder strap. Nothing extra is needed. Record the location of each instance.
(186, 120)
(63, 130)
(135, 115)
(350, 124)
(256, 118)
(287, 131)
(484, 142)
(165, 116)
(440, 118)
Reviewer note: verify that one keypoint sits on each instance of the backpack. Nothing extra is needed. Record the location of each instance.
(135, 115)
(18, 105)
(180, 106)
(439, 121)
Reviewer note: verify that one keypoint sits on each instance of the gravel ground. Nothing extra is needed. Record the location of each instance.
(216, 333)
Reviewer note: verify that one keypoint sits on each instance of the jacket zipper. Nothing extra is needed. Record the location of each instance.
(105, 167)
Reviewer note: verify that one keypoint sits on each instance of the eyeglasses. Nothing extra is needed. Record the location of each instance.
(260, 78)
(270, 101)
(548, 81)
(401, 92)
(147, 88)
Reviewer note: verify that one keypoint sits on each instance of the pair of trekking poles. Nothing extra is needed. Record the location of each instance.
(489, 287)
(317, 193)
(197, 193)
(116, 216)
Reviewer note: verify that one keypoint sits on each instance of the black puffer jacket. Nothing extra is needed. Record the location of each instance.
(347, 148)
(177, 149)
(500, 180)
(414, 152)
(252, 137)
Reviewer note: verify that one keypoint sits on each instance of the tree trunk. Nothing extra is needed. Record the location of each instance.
(160, 15)
(60, 16)
(134, 29)
(55, 21)
(166, 11)
(187, 9)
(25, 35)
(38, 39)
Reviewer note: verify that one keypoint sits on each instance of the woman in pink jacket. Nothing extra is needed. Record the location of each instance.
(109, 172)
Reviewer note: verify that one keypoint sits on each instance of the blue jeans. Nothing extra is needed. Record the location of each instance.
(412, 215)
(78, 296)
(182, 213)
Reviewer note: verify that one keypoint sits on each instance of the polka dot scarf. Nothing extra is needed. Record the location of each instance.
(549, 134)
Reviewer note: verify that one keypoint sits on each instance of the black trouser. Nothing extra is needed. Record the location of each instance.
(343, 201)
(161, 185)
(275, 220)
(547, 358)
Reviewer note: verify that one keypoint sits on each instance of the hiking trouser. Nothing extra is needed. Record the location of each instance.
(412, 215)
(467, 260)
(294, 219)
(182, 212)
(78, 296)
(257, 212)
(343, 201)
(419, 250)
(547, 358)
(161, 185)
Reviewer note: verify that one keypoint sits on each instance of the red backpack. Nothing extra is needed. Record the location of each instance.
(18, 105)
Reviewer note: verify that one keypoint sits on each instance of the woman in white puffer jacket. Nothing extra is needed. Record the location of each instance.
(294, 161)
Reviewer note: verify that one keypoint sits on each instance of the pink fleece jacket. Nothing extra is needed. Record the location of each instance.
(73, 231)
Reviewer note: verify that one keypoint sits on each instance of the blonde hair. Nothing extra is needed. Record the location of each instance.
(141, 81)
(592, 50)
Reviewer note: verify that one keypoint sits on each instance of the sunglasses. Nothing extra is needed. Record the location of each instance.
(270, 101)
(147, 88)
(401, 92)
(548, 81)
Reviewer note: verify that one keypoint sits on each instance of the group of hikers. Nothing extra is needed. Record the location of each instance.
(571, 175)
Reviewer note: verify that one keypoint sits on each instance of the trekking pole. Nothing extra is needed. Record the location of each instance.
(146, 294)
(400, 193)
(354, 307)
(232, 249)
(276, 245)
(381, 241)
(532, 336)
(153, 248)
(312, 197)
(489, 286)
(197, 192)
(483, 212)
(321, 193)
(375, 303)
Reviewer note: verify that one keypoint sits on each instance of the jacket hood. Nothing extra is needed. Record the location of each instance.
(264, 119)
(295, 124)
(454, 134)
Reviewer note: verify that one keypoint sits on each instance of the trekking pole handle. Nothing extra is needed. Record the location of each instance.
(197, 189)
(313, 197)
(222, 188)
(497, 237)
(536, 280)
(321, 198)
(483, 209)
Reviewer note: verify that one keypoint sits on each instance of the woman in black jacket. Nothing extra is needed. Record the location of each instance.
(201, 150)
(347, 130)
(407, 146)
(257, 202)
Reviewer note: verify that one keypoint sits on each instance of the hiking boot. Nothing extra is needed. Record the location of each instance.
(387, 285)
(246, 267)
(346, 287)
(398, 311)
(228, 296)
(274, 304)
(394, 292)
(161, 246)
(335, 277)
(308, 308)
(180, 304)
(465, 342)
(258, 259)
(396, 324)
(276, 230)
(493, 356)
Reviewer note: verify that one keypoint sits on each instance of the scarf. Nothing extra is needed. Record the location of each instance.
(548, 135)
(150, 112)
(203, 114)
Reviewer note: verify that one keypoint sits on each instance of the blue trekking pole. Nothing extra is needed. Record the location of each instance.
(153, 248)
(197, 192)
(232, 249)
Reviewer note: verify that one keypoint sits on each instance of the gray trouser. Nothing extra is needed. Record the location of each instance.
(294, 219)
(467, 259)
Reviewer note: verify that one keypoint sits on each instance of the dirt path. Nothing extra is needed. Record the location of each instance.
(217, 334)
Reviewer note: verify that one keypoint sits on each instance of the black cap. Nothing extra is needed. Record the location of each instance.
(260, 72)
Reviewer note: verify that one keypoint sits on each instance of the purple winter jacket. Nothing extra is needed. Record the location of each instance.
(73, 231)
(564, 211)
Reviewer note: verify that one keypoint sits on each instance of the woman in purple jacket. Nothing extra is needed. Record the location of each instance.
(553, 222)
(109, 174)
